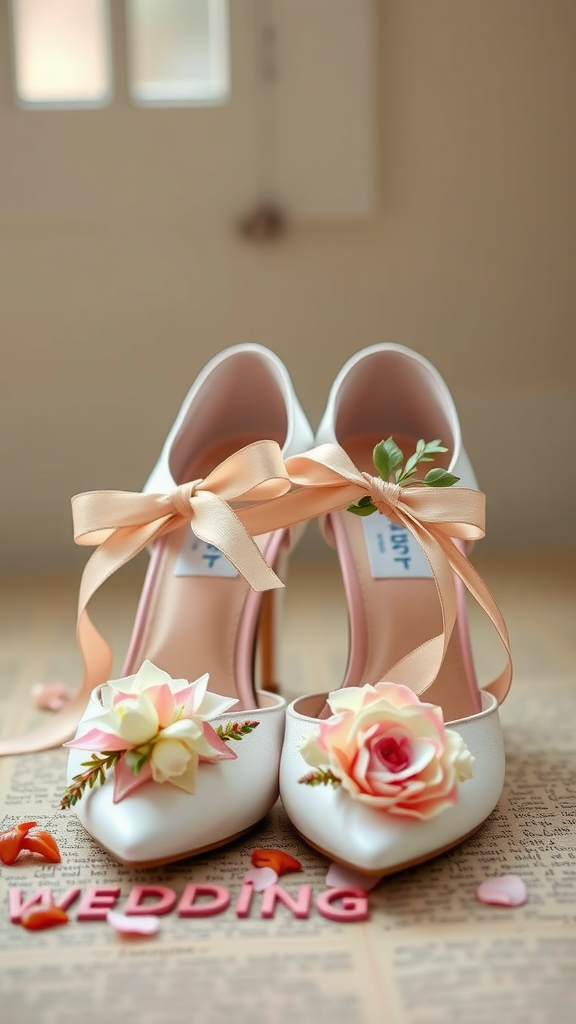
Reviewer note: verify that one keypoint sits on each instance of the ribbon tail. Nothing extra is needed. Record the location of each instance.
(500, 686)
(419, 668)
(97, 658)
(96, 654)
(216, 523)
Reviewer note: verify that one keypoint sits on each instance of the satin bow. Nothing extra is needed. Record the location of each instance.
(326, 480)
(123, 523)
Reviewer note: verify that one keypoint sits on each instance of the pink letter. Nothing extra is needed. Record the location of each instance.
(41, 898)
(188, 908)
(68, 898)
(166, 899)
(274, 893)
(245, 900)
(354, 905)
(97, 901)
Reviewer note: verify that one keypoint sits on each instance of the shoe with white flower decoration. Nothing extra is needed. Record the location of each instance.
(179, 782)
(175, 781)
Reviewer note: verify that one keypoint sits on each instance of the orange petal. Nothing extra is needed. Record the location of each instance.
(43, 917)
(279, 861)
(11, 841)
(43, 843)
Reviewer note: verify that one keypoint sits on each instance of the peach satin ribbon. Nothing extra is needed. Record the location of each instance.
(326, 480)
(124, 523)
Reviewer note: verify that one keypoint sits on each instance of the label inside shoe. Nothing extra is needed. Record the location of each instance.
(197, 558)
(393, 552)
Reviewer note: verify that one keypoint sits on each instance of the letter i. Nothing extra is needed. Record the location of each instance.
(245, 900)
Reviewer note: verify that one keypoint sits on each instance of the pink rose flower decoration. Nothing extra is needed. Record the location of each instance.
(389, 750)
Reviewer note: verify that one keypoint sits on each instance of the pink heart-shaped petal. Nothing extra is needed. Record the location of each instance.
(125, 924)
(261, 878)
(340, 877)
(507, 891)
(50, 696)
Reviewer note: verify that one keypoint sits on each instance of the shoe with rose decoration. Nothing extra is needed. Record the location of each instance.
(406, 759)
(181, 754)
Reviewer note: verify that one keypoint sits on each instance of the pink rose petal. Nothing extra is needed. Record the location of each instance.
(507, 891)
(50, 696)
(261, 878)
(95, 739)
(125, 781)
(340, 877)
(125, 924)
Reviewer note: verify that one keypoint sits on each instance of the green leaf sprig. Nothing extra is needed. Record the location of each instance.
(321, 777)
(389, 461)
(235, 730)
(96, 767)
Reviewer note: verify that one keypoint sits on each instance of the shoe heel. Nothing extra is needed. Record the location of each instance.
(268, 653)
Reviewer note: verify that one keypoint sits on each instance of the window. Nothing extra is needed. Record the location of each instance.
(61, 52)
(301, 125)
(178, 51)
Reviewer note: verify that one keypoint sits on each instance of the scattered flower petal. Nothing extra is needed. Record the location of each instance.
(341, 877)
(507, 891)
(280, 862)
(261, 878)
(20, 837)
(40, 841)
(126, 924)
(11, 841)
(50, 696)
(38, 918)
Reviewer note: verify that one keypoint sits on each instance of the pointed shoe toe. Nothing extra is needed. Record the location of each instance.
(158, 823)
(378, 840)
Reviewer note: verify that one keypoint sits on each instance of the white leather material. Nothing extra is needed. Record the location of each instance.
(372, 840)
(299, 434)
(432, 386)
(159, 822)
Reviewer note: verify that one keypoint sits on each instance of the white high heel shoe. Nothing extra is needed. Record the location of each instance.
(173, 784)
(382, 782)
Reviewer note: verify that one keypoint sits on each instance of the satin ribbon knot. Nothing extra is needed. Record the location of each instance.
(384, 494)
(181, 499)
(441, 519)
(120, 524)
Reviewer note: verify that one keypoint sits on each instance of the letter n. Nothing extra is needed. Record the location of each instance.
(273, 894)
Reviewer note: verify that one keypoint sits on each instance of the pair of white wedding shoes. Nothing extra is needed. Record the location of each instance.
(182, 754)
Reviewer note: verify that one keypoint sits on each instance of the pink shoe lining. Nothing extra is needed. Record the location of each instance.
(244, 648)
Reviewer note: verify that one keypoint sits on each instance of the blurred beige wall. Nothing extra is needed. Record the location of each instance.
(121, 271)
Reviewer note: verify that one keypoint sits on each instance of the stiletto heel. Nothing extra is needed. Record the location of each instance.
(267, 647)
(270, 619)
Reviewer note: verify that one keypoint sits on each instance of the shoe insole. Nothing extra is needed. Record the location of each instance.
(196, 623)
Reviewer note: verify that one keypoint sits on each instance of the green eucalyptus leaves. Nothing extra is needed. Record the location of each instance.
(389, 460)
